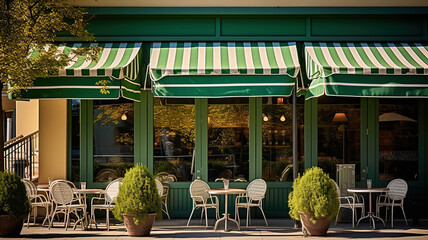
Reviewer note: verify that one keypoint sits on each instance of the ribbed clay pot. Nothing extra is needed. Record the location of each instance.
(142, 229)
(320, 228)
(9, 226)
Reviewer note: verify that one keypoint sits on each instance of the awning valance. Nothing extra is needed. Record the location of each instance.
(223, 69)
(367, 69)
(118, 63)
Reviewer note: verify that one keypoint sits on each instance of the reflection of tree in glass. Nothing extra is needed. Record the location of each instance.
(111, 115)
(179, 120)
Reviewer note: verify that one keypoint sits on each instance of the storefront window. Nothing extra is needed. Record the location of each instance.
(339, 138)
(398, 139)
(277, 130)
(173, 138)
(228, 132)
(113, 139)
(75, 140)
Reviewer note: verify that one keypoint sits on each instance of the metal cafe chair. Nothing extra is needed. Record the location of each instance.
(393, 198)
(202, 199)
(36, 200)
(254, 195)
(163, 193)
(107, 202)
(349, 202)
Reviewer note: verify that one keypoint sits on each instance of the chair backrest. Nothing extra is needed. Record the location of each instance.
(112, 190)
(159, 187)
(256, 190)
(72, 185)
(30, 187)
(397, 189)
(61, 193)
(199, 188)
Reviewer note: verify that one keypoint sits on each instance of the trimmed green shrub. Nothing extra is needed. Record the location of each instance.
(13, 196)
(314, 193)
(138, 195)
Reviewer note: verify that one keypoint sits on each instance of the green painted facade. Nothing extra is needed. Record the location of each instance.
(249, 24)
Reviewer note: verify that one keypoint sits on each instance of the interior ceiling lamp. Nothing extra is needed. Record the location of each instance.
(265, 118)
(282, 118)
(280, 100)
(341, 117)
(124, 117)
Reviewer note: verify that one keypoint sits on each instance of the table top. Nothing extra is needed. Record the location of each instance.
(368, 190)
(227, 191)
(88, 191)
(43, 186)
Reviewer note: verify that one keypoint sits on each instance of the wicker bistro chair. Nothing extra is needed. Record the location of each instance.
(393, 198)
(163, 193)
(354, 202)
(202, 199)
(36, 200)
(253, 197)
(107, 202)
(66, 202)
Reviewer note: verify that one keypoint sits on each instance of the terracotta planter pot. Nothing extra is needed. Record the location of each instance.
(9, 226)
(320, 228)
(142, 229)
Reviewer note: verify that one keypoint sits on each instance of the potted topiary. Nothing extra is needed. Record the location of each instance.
(14, 204)
(138, 202)
(314, 201)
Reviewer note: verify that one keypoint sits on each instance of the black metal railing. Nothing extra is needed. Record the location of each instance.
(21, 156)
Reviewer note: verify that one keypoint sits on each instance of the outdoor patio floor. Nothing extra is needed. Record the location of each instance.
(278, 229)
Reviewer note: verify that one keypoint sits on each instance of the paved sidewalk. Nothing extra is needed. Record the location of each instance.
(278, 229)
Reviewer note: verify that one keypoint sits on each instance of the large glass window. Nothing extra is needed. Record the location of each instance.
(173, 138)
(398, 139)
(228, 132)
(113, 139)
(75, 140)
(339, 137)
(277, 130)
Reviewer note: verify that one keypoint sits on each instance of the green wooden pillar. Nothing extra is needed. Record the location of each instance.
(255, 141)
(201, 138)
(311, 132)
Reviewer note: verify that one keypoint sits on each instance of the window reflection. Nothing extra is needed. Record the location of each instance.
(398, 139)
(113, 139)
(339, 136)
(173, 138)
(228, 134)
(75, 140)
(277, 130)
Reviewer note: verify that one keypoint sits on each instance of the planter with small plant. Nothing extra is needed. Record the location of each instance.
(138, 202)
(14, 204)
(314, 201)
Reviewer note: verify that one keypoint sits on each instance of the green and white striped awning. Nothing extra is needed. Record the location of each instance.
(223, 69)
(367, 69)
(119, 63)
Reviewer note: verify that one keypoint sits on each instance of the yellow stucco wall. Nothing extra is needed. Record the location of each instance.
(27, 117)
(53, 139)
(250, 3)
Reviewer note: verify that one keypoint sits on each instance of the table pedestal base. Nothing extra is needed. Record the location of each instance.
(226, 218)
(372, 217)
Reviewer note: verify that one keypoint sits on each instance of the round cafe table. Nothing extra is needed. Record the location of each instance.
(370, 214)
(226, 192)
(84, 192)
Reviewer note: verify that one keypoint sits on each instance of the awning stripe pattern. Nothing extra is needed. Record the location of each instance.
(170, 61)
(328, 64)
(326, 59)
(119, 63)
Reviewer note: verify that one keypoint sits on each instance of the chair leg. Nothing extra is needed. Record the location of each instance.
(166, 209)
(248, 215)
(108, 219)
(337, 216)
(35, 215)
(191, 214)
(404, 214)
(392, 216)
(67, 218)
(353, 217)
(206, 217)
(28, 220)
(263, 213)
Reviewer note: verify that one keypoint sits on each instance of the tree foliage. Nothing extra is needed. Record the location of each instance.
(138, 195)
(33, 25)
(315, 194)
